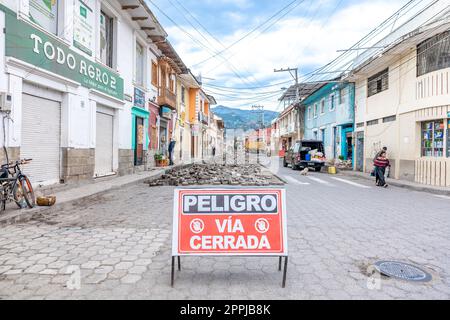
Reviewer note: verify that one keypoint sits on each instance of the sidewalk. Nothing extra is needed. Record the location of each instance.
(69, 194)
(401, 183)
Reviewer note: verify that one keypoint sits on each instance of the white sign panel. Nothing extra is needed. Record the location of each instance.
(45, 13)
(230, 221)
(83, 30)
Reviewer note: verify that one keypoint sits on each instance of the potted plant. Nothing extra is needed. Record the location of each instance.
(159, 160)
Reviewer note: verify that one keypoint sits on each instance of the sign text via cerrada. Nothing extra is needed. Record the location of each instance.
(230, 222)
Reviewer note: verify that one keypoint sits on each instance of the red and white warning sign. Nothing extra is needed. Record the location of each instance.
(229, 222)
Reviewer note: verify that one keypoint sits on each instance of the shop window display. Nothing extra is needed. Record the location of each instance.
(448, 138)
(433, 138)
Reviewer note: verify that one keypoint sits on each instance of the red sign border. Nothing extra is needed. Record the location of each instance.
(281, 212)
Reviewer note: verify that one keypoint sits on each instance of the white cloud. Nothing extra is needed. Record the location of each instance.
(293, 42)
(243, 4)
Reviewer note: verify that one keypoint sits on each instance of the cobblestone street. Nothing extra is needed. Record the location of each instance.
(337, 226)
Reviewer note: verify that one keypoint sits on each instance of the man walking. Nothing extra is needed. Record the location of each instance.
(379, 153)
(171, 149)
(381, 163)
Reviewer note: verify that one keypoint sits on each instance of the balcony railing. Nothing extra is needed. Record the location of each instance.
(288, 129)
(167, 98)
(203, 118)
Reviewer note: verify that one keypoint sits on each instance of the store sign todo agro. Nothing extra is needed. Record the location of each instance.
(229, 222)
(35, 47)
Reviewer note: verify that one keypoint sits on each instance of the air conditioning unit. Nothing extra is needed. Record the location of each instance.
(5, 102)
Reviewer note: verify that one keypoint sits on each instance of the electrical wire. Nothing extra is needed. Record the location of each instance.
(263, 31)
(247, 34)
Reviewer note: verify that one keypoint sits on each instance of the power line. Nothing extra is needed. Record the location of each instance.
(380, 28)
(262, 32)
(247, 34)
(209, 33)
(192, 37)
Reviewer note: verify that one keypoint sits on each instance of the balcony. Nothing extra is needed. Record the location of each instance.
(167, 98)
(203, 118)
(288, 129)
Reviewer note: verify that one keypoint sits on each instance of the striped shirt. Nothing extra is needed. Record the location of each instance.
(381, 162)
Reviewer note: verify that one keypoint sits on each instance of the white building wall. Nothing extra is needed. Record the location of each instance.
(79, 104)
(412, 100)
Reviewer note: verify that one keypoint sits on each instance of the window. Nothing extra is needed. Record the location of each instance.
(342, 95)
(315, 134)
(154, 74)
(106, 39)
(172, 83)
(322, 135)
(378, 83)
(139, 64)
(433, 138)
(372, 123)
(389, 119)
(183, 94)
(322, 106)
(332, 105)
(45, 14)
(433, 54)
(316, 110)
(360, 125)
(309, 112)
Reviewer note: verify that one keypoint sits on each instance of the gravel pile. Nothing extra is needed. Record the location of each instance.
(214, 174)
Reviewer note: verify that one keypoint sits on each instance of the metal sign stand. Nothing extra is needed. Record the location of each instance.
(283, 283)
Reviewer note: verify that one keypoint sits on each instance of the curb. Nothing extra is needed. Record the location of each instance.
(399, 184)
(275, 175)
(26, 215)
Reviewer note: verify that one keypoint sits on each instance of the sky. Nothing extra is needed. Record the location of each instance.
(240, 73)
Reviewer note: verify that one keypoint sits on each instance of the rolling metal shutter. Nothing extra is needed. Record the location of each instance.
(104, 145)
(41, 135)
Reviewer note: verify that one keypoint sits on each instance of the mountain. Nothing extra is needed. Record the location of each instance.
(242, 119)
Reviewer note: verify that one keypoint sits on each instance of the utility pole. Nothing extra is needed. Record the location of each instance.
(260, 110)
(294, 73)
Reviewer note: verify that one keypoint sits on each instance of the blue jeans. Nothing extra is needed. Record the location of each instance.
(379, 176)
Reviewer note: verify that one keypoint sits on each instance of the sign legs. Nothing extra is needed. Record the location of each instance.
(283, 284)
(280, 260)
(172, 278)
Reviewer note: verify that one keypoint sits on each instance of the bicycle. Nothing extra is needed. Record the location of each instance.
(15, 186)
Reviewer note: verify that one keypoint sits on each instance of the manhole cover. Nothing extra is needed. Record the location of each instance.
(402, 271)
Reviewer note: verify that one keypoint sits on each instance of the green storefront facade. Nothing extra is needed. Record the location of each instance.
(29, 44)
(139, 127)
(76, 100)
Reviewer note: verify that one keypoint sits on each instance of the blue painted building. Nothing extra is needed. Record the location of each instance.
(329, 116)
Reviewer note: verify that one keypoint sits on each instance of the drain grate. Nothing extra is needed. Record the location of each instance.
(402, 271)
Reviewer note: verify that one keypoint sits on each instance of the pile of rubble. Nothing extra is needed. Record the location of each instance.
(214, 174)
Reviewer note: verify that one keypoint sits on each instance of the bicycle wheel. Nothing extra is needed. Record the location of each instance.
(27, 190)
(19, 198)
(19, 195)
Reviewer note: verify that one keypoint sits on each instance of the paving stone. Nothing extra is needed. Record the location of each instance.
(35, 268)
(131, 278)
(90, 265)
(330, 244)
(123, 265)
(137, 269)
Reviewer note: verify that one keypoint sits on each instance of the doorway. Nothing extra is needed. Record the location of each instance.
(360, 151)
(139, 136)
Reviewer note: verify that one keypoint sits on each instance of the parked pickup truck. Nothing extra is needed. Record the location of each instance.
(299, 156)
